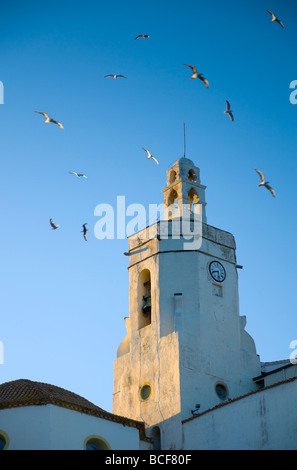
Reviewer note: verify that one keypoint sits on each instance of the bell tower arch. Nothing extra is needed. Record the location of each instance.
(184, 189)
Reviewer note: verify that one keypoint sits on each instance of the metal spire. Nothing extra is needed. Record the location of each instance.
(184, 141)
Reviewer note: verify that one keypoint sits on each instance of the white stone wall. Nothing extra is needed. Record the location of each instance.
(280, 375)
(265, 420)
(50, 427)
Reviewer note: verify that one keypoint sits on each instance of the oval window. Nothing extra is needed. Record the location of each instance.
(221, 391)
(145, 391)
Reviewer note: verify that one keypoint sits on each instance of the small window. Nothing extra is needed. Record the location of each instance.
(221, 391)
(96, 443)
(145, 391)
(4, 440)
(144, 299)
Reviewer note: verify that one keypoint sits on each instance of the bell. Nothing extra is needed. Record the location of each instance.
(146, 309)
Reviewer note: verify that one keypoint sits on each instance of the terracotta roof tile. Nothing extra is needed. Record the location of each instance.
(25, 392)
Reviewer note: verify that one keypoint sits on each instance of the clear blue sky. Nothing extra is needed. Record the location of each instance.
(63, 300)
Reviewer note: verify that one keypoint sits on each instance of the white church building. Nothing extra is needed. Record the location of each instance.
(187, 375)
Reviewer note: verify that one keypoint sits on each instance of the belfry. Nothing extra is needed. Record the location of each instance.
(184, 187)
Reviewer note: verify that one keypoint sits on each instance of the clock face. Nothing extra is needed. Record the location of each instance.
(217, 271)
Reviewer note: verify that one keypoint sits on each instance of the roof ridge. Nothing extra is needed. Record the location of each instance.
(275, 362)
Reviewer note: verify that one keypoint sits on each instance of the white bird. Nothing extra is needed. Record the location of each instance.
(149, 155)
(265, 183)
(145, 36)
(198, 75)
(48, 119)
(84, 231)
(79, 175)
(274, 18)
(54, 226)
(229, 111)
(114, 76)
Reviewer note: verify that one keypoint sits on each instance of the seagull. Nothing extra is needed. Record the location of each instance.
(84, 231)
(115, 76)
(265, 183)
(80, 175)
(145, 36)
(54, 226)
(150, 156)
(197, 75)
(229, 111)
(48, 119)
(274, 18)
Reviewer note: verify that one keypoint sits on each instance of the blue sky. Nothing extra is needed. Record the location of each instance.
(63, 300)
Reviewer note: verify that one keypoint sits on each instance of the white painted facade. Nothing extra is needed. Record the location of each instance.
(51, 427)
(264, 420)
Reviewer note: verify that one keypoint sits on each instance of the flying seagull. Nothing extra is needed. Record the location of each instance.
(54, 226)
(229, 111)
(114, 76)
(48, 119)
(80, 175)
(145, 36)
(265, 183)
(84, 231)
(150, 156)
(274, 18)
(197, 75)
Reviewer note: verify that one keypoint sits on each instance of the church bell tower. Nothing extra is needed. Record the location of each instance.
(186, 348)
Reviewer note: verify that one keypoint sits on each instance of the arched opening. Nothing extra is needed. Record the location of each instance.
(172, 177)
(193, 199)
(4, 440)
(172, 197)
(192, 176)
(172, 205)
(96, 443)
(144, 299)
(156, 435)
